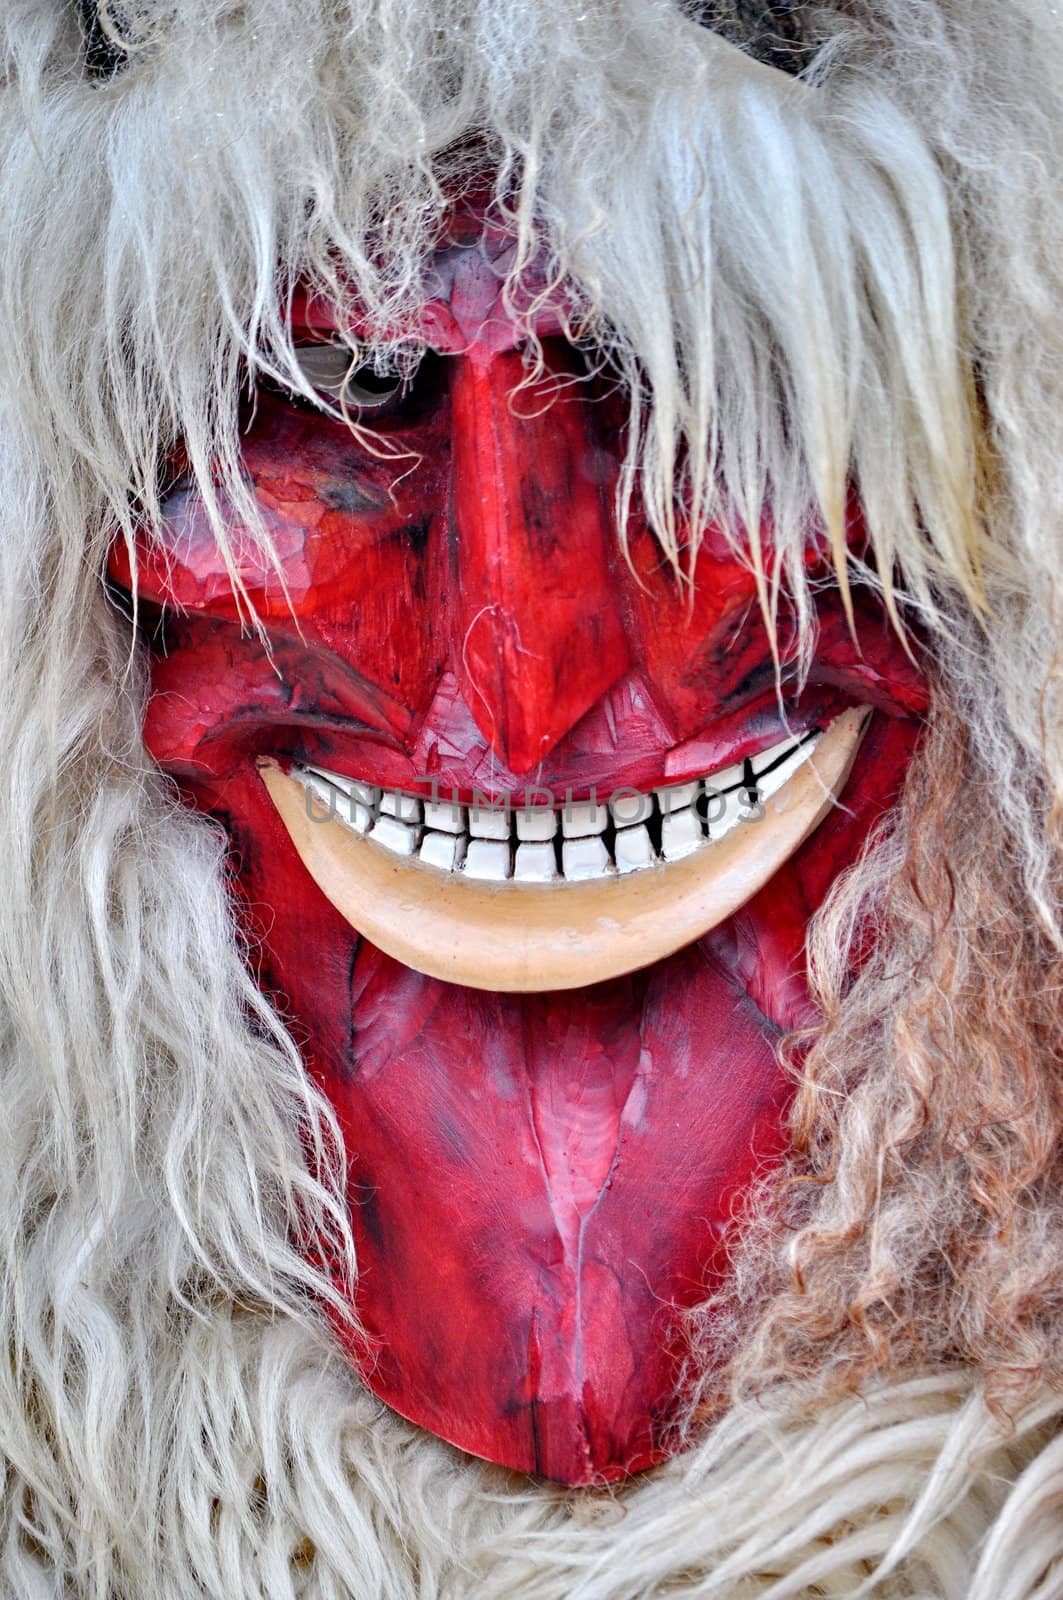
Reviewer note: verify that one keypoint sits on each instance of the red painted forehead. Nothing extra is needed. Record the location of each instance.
(474, 306)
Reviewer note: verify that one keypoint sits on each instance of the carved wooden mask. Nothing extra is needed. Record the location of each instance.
(529, 843)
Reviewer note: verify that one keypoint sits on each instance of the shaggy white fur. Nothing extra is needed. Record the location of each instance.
(805, 283)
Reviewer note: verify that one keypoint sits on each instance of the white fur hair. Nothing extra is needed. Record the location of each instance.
(804, 284)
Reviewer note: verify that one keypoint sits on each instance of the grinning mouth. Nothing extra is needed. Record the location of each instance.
(608, 833)
(544, 898)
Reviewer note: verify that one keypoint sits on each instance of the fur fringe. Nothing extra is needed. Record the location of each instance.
(854, 276)
(301, 1484)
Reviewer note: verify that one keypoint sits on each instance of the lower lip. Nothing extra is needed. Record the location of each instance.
(529, 938)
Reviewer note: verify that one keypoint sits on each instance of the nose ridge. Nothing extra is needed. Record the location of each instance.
(538, 630)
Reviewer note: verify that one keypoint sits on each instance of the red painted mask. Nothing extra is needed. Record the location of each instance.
(540, 1182)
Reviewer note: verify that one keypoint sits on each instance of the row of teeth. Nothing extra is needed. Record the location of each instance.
(584, 839)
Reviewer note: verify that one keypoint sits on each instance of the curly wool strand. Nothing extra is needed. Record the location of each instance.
(803, 287)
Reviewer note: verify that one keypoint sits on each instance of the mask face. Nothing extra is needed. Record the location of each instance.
(527, 849)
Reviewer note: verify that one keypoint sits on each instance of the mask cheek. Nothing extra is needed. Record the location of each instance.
(185, 570)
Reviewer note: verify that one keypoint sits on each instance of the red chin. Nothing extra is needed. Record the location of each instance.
(540, 1185)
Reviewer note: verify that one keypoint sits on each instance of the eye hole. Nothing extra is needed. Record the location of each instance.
(774, 31)
(332, 371)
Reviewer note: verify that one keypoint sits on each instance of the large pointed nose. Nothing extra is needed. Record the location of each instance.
(539, 634)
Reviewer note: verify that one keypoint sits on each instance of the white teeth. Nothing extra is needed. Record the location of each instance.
(770, 782)
(768, 758)
(634, 849)
(443, 817)
(444, 850)
(681, 834)
(360, 818)
(535, 863)
(536, 823)
(629, 807)
(395, 835)
(503, 936)
(367, 794)
(628, 832)
(579, 820)
(337, 802)
(724, 811)
(407, 807)
(678, 797)
(585, 858)
(320, 793)
(487, 858)
(729, 778)
(487, 823)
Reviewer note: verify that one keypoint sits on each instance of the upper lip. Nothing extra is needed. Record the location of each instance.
(571, 774)
(673, 767)
(304, 703)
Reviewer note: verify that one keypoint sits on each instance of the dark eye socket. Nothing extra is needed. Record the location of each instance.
(774, 31)
(333, 371)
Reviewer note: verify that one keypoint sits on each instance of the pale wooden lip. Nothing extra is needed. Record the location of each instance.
(528, 938)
